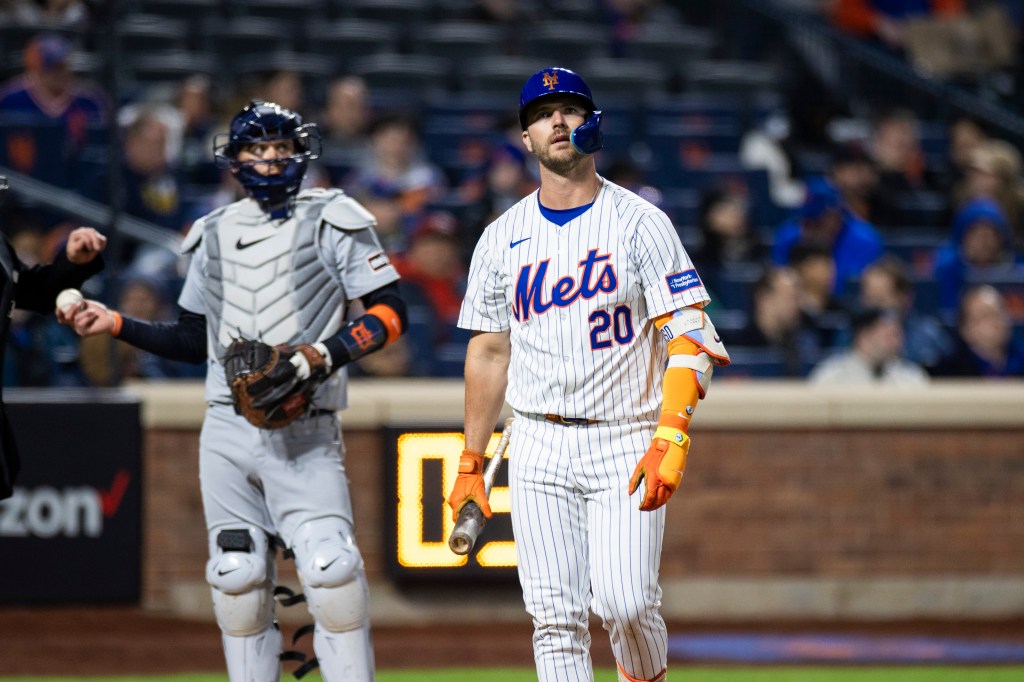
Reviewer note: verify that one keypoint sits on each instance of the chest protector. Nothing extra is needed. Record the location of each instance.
(271, 279)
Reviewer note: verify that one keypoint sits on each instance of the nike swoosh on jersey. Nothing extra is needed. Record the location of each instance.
(516, 243)
(244, 245)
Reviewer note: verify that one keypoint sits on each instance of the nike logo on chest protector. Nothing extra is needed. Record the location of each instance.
(245, 245)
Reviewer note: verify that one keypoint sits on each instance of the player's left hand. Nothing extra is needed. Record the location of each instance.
(84, 244)
(661, 468)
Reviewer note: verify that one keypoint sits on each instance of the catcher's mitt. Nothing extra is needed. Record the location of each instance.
(265, 384)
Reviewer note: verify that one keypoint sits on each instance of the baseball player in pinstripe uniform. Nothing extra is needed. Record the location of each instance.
(282, 266)
(587, 317)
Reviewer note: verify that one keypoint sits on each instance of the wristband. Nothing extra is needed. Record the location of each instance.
(118, 323)
(471, 462)
(670, 434)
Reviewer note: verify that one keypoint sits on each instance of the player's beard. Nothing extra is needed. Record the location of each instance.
(563, 164)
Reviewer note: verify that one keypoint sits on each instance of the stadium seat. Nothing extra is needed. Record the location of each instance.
(752, 363)
(417, 74)
(241, 40)
(567, 43)
(670, 44)
(700, 139)
(698, 108)
(141, 33)
(502, 75)
(920, 209)
(735, 285)
(409, 13)
(459, 41)
(172, 66)
(286, 10)
(348, 39)
(636, 78)
(713, 75)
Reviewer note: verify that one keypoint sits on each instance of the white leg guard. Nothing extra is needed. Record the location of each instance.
(241, 574)
(344, 656)
(254, 658)
(334, 583)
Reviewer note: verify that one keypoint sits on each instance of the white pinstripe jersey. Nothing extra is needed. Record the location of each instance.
(580, 301)
(285, 281)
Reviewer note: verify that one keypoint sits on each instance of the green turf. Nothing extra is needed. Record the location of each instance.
(677, 674)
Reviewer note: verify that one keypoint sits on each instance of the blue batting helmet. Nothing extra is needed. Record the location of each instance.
(261, 121)
(587, 138)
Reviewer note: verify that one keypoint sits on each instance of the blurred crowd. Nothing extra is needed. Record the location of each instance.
(840, 247)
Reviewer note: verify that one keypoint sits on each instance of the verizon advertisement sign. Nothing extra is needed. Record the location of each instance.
(72, 530)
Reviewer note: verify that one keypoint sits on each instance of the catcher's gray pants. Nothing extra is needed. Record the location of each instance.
(275, 480)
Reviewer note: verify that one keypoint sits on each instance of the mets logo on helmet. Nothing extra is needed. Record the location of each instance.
(550, 80)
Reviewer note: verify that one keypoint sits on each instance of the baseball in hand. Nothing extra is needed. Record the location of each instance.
(68, 299)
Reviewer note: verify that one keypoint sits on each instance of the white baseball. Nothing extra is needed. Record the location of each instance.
(68, 299)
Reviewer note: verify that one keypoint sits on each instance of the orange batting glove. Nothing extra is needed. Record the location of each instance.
(661, 468)
(469, 485)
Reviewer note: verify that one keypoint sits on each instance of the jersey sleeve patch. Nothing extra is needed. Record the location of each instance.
(378, 261)
(681, 281)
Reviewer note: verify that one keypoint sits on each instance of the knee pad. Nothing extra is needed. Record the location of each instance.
(331, 568)
(240, 571)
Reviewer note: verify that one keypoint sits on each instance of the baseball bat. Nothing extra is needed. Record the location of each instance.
(471, 520)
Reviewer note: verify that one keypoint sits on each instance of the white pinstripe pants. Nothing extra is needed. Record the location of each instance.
(582, 544)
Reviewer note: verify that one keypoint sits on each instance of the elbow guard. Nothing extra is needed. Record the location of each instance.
(694, 344)
(378, 327)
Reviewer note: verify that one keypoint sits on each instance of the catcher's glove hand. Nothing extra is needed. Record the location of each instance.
(268, 388)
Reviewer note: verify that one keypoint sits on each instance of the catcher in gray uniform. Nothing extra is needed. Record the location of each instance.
(266, 296)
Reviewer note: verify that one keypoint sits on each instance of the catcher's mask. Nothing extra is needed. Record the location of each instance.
(587, 137)
(261, 121)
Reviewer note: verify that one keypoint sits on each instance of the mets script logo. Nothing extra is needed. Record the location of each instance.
(550, 80)
(594, 279)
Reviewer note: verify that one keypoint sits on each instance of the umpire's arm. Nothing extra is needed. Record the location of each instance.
(487, 360)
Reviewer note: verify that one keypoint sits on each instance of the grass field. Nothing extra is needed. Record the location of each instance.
(678, 674)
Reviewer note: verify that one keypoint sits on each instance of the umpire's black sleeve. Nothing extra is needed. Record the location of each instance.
(183, 340)
(38, 286)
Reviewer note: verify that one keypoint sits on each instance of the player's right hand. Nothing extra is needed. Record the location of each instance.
(469, 485)
(90, 318)
(661, 468)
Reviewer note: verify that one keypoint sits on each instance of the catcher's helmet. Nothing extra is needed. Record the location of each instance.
(261, 121)
(587, 138)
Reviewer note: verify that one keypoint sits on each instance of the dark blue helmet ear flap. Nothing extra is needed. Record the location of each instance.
(261, 121)
(587, 138)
